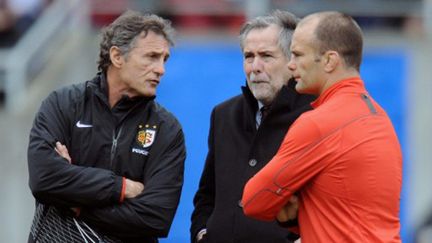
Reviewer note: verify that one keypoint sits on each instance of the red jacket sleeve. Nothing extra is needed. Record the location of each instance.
(296, 162)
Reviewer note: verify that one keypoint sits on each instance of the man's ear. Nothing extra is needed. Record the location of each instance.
(331, 61)
(116, 57)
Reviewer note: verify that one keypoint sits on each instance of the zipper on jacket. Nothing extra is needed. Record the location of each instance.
(114, 144)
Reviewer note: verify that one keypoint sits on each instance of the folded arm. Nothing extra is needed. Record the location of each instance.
(151, 212)
(297, 161)
(52, 178)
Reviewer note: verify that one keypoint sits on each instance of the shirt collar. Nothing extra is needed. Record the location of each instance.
(349, 84)
(260, 105)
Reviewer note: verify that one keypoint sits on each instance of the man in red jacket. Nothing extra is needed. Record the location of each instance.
(342, 158)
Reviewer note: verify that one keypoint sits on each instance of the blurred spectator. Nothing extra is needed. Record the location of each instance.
(7, 35)
(205, 14)
(16, 16)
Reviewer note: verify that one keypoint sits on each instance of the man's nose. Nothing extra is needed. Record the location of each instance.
(160, 68)
(257, 65)
(291, 65)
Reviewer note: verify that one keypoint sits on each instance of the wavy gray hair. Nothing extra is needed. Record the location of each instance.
(286, 21)
(124, 31)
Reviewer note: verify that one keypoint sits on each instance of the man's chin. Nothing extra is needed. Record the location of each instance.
(148, 93)
(263, 98)
(303, 90)
(299, 87)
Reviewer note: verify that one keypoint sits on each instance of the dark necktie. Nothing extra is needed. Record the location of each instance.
(264, 112)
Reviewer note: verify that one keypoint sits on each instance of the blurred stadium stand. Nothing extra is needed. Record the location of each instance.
(62, 47)
(16, 17)
(58, 24)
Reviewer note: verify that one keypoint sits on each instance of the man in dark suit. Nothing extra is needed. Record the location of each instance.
(246, 132)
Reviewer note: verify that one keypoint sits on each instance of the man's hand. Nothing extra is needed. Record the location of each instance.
(201, 235)
(63, 151)
(133, 188)
(289, 211)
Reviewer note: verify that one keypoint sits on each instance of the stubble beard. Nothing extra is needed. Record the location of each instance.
(263, 94)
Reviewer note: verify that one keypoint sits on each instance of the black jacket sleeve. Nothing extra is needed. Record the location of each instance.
(204, 199)
(52, 179)
(150, 213)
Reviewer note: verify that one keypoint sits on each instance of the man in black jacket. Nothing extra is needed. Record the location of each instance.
(242, 141)
(105, 160)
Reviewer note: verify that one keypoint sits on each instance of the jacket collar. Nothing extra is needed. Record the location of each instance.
(124, 107)
(283, 102)
(353, 84)
(100, 87)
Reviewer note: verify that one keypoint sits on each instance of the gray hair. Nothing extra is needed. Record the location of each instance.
(124, 31)
(285, 20)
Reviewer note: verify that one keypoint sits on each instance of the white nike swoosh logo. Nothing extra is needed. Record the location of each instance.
(80, 125)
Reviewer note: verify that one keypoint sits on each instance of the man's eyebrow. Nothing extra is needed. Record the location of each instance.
(247, 53)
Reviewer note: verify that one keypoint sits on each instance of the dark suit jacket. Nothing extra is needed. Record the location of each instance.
(237, 150)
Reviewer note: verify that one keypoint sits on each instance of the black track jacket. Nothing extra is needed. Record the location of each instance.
(137, 139)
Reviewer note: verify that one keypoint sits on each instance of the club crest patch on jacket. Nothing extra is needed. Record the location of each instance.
(146, 136)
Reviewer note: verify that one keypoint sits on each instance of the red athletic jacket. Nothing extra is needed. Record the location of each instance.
(344, 160)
